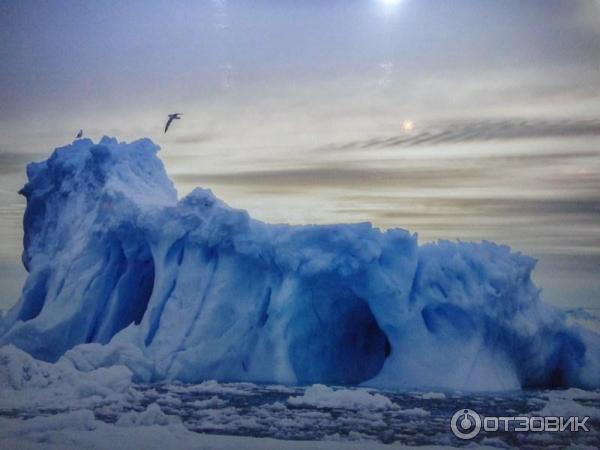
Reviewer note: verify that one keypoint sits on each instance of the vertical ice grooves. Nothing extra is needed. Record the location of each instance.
(156, 314)
(35, 295)
(263, 314)
(174, 257)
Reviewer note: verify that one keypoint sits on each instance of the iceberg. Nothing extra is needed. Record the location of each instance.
(122, 272)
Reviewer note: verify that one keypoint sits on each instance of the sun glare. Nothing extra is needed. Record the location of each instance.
(408, 125)
(390, 2)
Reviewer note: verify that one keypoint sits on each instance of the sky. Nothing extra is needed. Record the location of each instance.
(463, 119)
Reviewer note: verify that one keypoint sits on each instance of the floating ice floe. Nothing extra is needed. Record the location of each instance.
(322, 396)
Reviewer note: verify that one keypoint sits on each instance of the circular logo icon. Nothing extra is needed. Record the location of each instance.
(465, 424)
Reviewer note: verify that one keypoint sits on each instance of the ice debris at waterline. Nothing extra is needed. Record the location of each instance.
(121, 272)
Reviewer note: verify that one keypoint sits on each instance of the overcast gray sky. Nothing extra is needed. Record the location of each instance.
(462, 119)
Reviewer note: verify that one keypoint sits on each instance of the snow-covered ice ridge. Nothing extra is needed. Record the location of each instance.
(121, 272)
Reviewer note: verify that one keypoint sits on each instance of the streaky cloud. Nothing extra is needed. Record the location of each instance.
(464, 131)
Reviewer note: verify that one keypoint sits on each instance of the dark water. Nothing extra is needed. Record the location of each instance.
(419, 418)
(414, 418)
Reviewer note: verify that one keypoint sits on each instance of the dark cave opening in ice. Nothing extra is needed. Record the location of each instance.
(338, 340)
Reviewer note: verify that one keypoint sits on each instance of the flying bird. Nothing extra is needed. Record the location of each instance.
(171, 118)
(79, 135)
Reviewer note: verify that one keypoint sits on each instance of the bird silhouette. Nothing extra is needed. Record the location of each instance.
(172, 117)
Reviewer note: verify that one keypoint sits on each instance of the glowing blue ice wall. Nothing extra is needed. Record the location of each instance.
(121, 272)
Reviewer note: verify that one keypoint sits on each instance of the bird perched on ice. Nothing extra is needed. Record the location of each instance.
(171, 118)
(79, 134)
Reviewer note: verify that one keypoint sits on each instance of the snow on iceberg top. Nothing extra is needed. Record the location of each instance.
(84, 186)
(116, 167)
